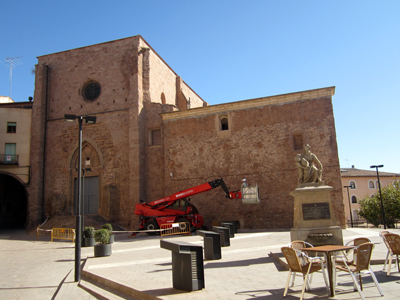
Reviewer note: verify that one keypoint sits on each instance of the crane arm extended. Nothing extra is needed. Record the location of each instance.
(196, 190)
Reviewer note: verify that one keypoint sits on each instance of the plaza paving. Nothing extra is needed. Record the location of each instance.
(39, 269)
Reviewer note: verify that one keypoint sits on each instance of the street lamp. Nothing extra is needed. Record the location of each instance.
(380, 193)
(78, 238)
(348, 196)
(83, 195)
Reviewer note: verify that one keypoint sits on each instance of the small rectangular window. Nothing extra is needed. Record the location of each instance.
(297, 141)
(155, 137)
(11, 127)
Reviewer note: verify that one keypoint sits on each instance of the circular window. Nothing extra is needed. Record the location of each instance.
(91, 90)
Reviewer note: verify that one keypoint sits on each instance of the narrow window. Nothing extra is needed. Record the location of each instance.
(371, 185)
(298, 141)
(163, 100)
(154, 137)
(224, 123)
(353, 199)
(352, 185)
(11, 127)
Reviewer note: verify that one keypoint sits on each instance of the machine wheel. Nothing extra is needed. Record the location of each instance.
(183, 226)
(151, 225)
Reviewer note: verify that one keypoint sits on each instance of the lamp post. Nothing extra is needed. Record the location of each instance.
(348, 196)
(83, 196)
(78, 211)
(380, 193)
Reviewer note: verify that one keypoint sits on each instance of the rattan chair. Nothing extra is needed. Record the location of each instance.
(392, 242)
(358, 267)
(351, 256)
(381, 234)
(314, 264)
(299, 245)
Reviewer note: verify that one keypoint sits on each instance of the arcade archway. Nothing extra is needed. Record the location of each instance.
(13, 203)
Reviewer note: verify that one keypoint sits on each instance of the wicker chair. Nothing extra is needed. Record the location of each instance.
(351, 256)
(359, 266)
(314, 264)
(381, 234)
(392, 242)
(298, 246)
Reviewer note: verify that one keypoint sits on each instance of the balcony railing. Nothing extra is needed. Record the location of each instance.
(8, 159)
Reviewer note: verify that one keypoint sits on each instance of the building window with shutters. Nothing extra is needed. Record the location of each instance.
(11, 127)
(371, 184)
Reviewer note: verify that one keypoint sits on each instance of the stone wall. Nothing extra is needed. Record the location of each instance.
(257, 146)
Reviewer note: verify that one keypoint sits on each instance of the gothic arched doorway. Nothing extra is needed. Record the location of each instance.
(13, 203)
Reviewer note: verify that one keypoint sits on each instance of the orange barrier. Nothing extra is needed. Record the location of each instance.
(63, 234)
(175, 228)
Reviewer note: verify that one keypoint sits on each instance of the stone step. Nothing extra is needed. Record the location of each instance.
(103, 292)
(104, 288)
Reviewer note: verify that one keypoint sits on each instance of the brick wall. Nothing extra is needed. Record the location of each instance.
(259, 147)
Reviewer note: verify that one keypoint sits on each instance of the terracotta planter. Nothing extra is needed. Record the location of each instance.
(102, 250)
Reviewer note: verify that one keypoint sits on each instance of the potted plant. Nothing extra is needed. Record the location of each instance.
(88, 237)
(103, 247)
(109, 227)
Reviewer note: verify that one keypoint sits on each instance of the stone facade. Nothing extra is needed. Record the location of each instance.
(258, 146)
(155, 136)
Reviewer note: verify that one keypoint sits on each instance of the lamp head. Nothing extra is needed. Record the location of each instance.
(375, 166)
(90, 119)
(69, 118)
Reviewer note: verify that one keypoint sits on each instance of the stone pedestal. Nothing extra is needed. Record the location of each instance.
(314, 219)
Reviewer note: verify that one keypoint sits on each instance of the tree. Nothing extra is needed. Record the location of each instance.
(370, 207)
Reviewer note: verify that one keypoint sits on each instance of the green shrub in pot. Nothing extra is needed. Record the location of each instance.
(109, 227)
(103, 247)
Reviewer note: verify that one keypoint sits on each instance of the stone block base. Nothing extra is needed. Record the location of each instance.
(318, 236)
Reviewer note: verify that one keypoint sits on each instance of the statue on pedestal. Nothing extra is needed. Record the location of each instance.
(306, 166)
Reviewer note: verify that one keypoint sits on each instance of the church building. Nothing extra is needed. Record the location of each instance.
(155, 136)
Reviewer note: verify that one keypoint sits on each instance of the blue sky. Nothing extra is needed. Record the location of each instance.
(236, 50)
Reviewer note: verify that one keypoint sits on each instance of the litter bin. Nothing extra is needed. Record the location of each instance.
(187, 265)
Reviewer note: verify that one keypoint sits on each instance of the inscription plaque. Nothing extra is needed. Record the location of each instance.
(316, 211)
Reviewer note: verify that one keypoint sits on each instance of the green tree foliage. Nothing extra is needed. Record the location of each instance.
(370, 207)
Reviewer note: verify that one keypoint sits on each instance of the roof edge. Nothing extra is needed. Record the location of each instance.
(250, 103)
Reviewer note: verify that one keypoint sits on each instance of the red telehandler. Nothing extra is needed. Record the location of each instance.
(177, 208)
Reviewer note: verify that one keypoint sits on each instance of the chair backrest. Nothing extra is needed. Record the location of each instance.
(381, 233)
(292, 259)
(358, 241)
(363, 253)
(298, 245)
(361, 240)
(393, 242)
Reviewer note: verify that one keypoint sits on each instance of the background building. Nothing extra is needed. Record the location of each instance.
(361, 183)
(155, 136)
(15, 136)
